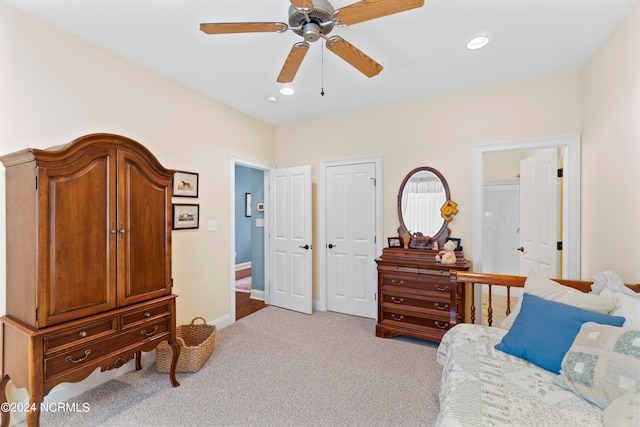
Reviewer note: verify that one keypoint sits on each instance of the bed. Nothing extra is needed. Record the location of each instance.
(484, 386)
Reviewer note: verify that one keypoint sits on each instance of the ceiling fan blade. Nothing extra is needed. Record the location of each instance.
(302, 4)
(292, 63)
(244, 27)
(366, 10)
(354, 56)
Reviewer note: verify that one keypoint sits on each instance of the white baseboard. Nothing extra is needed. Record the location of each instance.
(243, 266)
(257, 294)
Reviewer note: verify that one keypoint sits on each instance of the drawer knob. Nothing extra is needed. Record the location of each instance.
(86, 354)
(148, 334)
(441, 326)
(398, 318)
(397, 300)
(82, 334)
(147, 314)
(441, 288)
(441, 306)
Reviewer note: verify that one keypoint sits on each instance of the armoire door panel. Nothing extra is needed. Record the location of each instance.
(77, 208)
(146, 238)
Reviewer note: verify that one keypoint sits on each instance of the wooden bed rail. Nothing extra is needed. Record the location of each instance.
(509, 282)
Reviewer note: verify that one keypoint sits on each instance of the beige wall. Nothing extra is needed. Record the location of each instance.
(611, 154)
(437, 132)
(55, 87)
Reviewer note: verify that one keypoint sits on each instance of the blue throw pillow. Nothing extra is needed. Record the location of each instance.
(544, 331)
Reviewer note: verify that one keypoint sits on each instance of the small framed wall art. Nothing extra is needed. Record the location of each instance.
(247, 204)
(185, 184)
(185, 216)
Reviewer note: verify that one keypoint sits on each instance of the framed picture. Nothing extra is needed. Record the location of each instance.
(185, 216)
(247, 204)
(394, 242)
(185, 184)
(457, 241)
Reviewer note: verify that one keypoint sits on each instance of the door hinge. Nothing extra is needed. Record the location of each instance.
(375, 297)
(36, 314)
(36, 182)
(559, 246)
(172, 283)
(375, 181)
(560, 173)
(375, 239)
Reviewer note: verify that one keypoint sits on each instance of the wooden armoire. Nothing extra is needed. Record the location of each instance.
(88, 263)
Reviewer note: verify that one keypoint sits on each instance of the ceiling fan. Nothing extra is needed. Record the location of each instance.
(314, 19)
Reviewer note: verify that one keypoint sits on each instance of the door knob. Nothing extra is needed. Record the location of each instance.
(331, 246)
(306, 247)
(521, 249)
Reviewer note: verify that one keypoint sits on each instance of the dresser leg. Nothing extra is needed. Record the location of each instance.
(138, 360)
(174, 363)
(6, 414)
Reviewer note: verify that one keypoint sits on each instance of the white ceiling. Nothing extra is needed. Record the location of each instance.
(422, 50)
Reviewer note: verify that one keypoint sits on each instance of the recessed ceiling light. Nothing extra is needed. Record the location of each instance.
(287, 91)
(272, 99)
(477, 42)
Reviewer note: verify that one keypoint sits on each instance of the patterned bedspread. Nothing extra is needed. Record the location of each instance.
(482, 386)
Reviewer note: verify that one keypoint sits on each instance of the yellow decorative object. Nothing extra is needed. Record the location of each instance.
(448, 209)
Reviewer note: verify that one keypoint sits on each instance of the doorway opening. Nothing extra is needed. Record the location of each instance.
(248, 245)
(484, 196)
(570, 224)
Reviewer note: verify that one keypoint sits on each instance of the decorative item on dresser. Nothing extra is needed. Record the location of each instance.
(88, 263)
(415, 297)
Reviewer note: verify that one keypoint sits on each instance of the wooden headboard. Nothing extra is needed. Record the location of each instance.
(508, 282)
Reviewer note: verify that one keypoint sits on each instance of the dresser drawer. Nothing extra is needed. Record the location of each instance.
(80, 335)
(411, 320)
(394, 301)
(425, 283)
(409, 281)
(143, 314)
(90, 353)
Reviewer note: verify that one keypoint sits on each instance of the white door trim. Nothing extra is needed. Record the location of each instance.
(321, 303)
(570, 200)
(242, 161)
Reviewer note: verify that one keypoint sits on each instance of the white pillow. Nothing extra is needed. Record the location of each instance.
(554, 291)
(627, 307)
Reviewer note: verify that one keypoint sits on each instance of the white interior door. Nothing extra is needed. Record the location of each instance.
(539, 214)
(350, 236)
(290, 272)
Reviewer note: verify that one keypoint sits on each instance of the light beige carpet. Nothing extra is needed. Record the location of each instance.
(280, 368)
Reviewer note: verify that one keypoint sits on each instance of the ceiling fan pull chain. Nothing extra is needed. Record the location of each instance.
(322, 69)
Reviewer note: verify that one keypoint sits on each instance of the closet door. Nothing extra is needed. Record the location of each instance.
(144, 229)
(76, 236)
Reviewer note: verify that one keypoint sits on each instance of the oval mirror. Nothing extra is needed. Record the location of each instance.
(422, 194)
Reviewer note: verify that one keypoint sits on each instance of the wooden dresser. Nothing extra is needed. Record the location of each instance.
(88, 263)
(415, 297)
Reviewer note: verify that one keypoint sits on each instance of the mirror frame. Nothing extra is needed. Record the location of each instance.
(444, 231)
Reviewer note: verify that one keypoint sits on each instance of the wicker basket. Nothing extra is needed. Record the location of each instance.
(196, 345)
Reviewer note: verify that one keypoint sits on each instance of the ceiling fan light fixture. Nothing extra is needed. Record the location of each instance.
(287, 91)
(477, 42)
